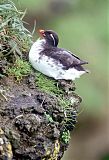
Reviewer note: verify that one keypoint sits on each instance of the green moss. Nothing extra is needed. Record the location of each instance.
(49, 118)
(64, 102)
(50, 86)
(20, 69)
(47, 84)
(65, 136)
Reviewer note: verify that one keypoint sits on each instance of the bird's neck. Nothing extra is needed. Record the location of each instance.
(40, 43)
(43, 43)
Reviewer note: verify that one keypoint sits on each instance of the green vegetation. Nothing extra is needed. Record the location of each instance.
(65, 136)
(15, 41)
(15, 38)
(20, 69)
(63, 102)
(46, 84)
(50, 119)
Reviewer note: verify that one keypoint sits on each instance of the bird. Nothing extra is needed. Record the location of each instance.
(58, 63)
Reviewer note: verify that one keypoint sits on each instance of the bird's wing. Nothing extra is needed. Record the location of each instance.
(66, 58)
(76, 60)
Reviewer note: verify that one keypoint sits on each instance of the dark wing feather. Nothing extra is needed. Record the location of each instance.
(66, 58)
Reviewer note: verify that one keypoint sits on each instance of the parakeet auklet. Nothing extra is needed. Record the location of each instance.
(52, 61)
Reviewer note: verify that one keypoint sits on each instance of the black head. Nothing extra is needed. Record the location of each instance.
(50, 36)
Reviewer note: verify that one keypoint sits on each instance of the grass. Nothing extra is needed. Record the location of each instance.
(47, 84)
(15, 38)
(20, 69)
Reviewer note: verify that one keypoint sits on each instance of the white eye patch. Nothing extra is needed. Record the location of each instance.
(53, 38)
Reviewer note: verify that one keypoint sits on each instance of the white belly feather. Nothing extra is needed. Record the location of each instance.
(47, 65)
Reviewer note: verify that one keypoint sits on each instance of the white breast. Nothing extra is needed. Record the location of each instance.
(49, 66)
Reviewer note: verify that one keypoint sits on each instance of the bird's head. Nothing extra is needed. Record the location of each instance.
(50, 36)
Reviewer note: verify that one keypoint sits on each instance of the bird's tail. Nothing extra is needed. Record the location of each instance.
(80, 68)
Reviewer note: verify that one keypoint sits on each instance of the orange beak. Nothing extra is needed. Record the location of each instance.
(42, 32)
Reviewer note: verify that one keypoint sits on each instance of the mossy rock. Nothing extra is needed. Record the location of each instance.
(36, 125)
(37, 113)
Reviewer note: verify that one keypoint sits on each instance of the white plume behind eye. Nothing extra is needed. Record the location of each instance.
(53, 39)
